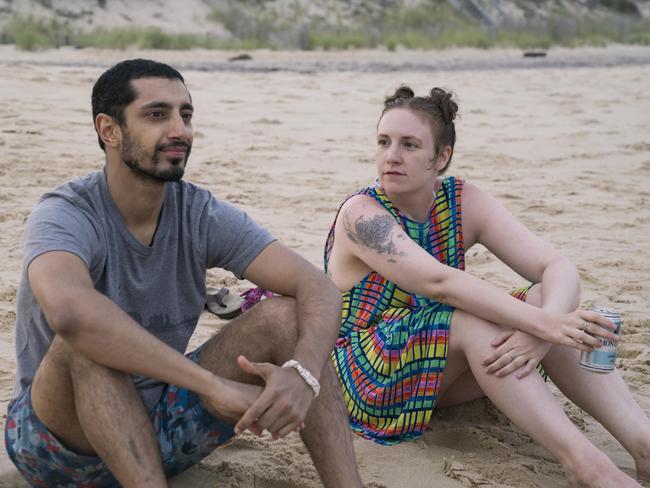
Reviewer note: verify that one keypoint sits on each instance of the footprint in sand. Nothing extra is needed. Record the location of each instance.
(546, 209)
(457, 471)
(266, 121)
(510, 196)
(628, 352)
(639, 146)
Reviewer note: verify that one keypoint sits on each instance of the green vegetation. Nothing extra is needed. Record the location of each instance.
(31, 34)
(426, 26)
(438, 28)
(252, 29)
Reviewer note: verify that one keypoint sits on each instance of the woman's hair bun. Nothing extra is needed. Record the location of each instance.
(443, 99)
(439, 108)
(402, 94)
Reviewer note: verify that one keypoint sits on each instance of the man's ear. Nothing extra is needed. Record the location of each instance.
(108, 130)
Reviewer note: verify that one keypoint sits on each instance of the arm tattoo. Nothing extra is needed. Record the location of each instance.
(373, 233)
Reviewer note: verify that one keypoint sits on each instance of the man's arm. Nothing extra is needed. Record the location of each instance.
(95, 326)
(318, 303)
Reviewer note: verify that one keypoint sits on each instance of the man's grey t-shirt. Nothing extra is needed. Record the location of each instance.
(161, 286)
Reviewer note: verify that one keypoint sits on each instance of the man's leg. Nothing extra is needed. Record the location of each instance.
(94, 410)
(269, 333)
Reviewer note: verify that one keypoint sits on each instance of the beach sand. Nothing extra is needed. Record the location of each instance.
(566, 149)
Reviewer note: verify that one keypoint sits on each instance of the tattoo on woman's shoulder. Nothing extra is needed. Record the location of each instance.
(373, 233)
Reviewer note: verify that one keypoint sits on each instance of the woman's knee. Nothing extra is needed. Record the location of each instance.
(534, 297)
(467, 329)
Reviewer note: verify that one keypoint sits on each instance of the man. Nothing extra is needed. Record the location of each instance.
(112, 288)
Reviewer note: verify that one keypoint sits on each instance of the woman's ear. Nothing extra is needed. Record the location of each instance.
(108, 130)
(443, 158)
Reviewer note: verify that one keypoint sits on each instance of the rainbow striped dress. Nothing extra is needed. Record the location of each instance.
(392, 347)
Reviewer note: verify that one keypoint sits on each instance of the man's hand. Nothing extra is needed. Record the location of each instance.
(234, 399)
(515, 351)
(282, 406)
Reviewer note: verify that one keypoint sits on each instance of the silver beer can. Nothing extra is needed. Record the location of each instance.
(603, 359)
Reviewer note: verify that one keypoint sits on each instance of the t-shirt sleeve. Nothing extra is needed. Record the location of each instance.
(57, 225)
(233, 238)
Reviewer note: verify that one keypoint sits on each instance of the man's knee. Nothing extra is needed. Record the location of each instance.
(276, 320)
(268, 332)
(60, 353)
(67, 364)
(53, 373)
(53, 392)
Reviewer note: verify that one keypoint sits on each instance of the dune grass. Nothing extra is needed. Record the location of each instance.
(30, 33)
(427, 26)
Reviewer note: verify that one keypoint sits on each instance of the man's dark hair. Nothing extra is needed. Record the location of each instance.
(113, 90)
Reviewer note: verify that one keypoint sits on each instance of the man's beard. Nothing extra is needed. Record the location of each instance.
(134, 154)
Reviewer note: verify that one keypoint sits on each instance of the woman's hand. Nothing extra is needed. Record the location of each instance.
(515, 351)
(581, 330)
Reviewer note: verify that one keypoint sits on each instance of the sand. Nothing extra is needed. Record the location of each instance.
(566, 147)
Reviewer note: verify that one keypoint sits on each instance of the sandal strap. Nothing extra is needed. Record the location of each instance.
(219, 296)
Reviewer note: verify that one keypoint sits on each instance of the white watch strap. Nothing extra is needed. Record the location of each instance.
(305, 375)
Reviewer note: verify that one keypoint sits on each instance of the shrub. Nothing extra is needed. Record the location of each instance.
(424, 26)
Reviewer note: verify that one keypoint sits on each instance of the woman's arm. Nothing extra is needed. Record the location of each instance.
(368, 233)
(488, 222)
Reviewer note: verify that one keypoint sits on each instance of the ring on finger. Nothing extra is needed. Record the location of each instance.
(584, 326)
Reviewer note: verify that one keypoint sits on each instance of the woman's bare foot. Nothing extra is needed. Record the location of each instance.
(601, 473)
(641, 457)
(643, 469)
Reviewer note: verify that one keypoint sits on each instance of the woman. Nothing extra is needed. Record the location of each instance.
(419, 332)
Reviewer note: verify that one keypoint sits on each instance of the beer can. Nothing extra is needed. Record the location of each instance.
(603, 359)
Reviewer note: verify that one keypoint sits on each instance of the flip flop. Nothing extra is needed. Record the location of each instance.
(222, 303)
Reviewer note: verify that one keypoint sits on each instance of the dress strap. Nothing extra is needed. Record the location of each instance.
(368, 190)
(449, 196)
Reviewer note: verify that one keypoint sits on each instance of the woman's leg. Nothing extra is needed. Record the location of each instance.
(606, 398)
(530, 405)
(460, 386)
(464, 389)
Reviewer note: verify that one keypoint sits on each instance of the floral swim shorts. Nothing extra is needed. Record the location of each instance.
(186, 433)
